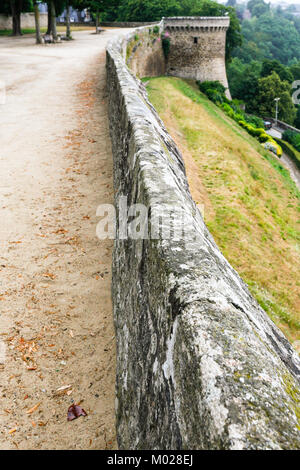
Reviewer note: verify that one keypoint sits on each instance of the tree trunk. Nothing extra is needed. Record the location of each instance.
(37, 23)
(68, 23)
(16, 7)
(97, 21)
(53, 20)
(49, 19)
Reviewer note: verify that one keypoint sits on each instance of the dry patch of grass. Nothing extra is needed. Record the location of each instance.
(251, 204)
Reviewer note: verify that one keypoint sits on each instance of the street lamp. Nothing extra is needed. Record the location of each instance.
(276, 99)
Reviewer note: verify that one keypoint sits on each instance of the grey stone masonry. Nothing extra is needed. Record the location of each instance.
(199, 364)
(197, 48)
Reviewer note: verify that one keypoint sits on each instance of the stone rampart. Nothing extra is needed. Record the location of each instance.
(199, 364)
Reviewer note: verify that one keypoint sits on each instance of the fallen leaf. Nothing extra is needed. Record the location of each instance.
(50, 275)
(12, 431)
(63, 387)
(74, 411)
(31, 410)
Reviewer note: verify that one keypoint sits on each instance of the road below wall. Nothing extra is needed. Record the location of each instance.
(57, 343)
(286, 160)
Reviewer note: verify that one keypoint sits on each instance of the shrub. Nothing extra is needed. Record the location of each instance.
(214, 95)
(274, 147)
(254, 120)
(215, 91)
(212, 85)
(292, 138)
(263, 137)
(156, 29)
(166, 42)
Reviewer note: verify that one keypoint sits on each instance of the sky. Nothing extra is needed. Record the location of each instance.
(284, 1)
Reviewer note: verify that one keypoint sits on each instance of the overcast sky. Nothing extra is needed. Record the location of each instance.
(284, 1)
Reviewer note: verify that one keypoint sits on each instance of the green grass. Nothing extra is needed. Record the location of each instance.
(60, 29)
(252, 206)
(8, 32)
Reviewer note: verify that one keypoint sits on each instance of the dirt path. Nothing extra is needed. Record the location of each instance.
(56, 322)
(292, 167)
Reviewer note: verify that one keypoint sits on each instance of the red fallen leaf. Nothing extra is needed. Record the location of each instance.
(74, 411)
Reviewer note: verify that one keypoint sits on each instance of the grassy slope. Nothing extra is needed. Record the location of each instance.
(251, 204)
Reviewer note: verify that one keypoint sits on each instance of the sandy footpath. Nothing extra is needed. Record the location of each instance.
(56, 326)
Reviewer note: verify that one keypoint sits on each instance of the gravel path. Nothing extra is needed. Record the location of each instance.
(56, 327)
(292, 167)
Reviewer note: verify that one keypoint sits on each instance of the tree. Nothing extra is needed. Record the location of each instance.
(270, 36)
(37, 22)
(272, 87)
(243, 82)
(111, 11)
(149, 10)
(53, 19)
(295, 70)
(68, 22)
(15, 8)
(55, 8)
(49, 18)
(297, 120)
(258, 7)
(270, 66)
(96, 7)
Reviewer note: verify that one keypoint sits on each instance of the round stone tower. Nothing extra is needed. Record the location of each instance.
(197, 47)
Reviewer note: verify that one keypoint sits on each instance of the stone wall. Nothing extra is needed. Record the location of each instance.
(144, 54)
(125, 24)
(27, 21)
(197, 48)
(282, 125)
(199, 364)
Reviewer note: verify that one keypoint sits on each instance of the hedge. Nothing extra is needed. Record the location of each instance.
(215, 91)
(290, 151)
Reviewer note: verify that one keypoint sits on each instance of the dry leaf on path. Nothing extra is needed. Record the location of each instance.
(31, 410)
(74, 411)
(12, 431)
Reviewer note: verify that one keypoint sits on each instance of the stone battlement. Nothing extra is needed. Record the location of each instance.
(196, 23)
(197, 47)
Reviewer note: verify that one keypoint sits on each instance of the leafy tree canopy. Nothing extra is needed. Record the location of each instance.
(5, 7)
(269, 66)
(153, 10)
(270, 36)
(258, 7)
(272, 87)
(297, 120)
